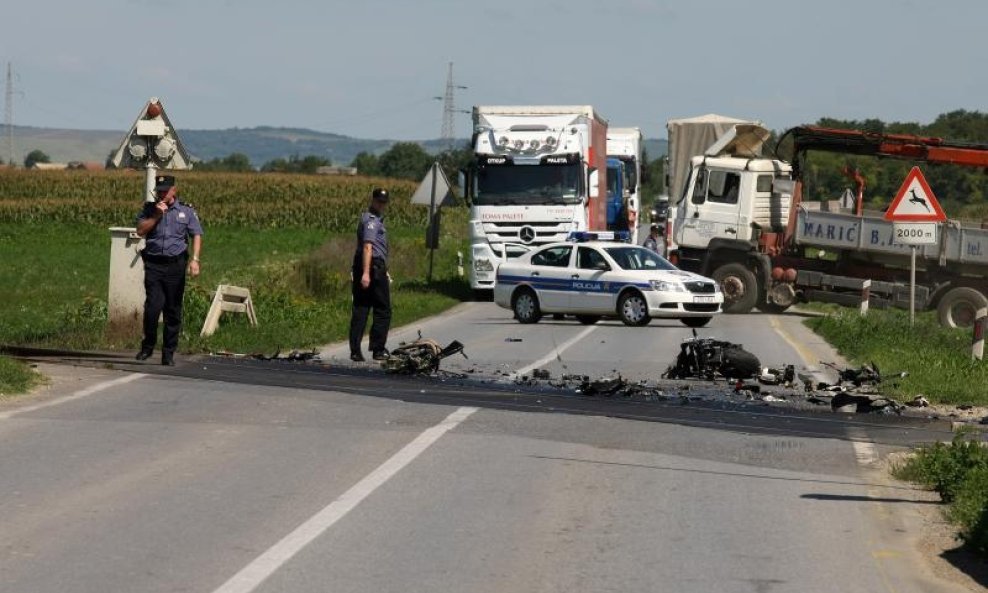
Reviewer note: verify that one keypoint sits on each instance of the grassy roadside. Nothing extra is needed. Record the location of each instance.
(53, 289)
(958, 472)
(938, 359)
(16, 377)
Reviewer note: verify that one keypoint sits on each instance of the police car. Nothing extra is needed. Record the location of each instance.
(594, 275)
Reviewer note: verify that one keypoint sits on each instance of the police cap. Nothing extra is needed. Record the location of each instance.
(164, 182)
(380, 195)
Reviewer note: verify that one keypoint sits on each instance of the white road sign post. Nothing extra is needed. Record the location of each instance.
(916, 215)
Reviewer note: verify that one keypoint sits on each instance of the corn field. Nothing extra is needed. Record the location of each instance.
(239, 199)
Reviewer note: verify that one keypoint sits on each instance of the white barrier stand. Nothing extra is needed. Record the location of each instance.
(865, 296)
(978, 344)
(229, 299)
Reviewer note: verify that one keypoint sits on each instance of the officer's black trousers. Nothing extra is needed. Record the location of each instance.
(164, 287)
(377, 296)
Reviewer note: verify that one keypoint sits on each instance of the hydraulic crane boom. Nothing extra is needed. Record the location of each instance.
(856, 142)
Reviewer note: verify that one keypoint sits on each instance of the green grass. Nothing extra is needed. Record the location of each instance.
(959, 473)
(53, 286)
(938, 359)
(16, 377)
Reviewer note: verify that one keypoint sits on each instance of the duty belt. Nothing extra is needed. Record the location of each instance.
(164, 259)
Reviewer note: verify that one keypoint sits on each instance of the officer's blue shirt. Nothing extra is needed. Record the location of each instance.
(170, 237)
(371, 230)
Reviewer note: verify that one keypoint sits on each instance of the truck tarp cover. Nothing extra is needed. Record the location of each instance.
(692, 137)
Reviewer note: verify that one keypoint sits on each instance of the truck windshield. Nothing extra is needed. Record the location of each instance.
(529, 184)
(638, 258)
(612, 181)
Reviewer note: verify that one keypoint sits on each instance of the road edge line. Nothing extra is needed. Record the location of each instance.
(258, 570)
(85, 392)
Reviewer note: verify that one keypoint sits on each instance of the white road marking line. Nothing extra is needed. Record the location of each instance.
(864, 449)
(77, 395)
(556, 352)
(262, 567)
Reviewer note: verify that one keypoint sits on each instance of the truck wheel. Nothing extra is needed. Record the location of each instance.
(588, 319)
(526, 306)
(633, 309)
(959, 307)
(696, 321)
(739, 285)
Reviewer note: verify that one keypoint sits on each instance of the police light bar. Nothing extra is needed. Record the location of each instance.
(584, 236)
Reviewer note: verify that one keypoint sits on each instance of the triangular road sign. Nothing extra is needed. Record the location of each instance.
(152, 140)
(915, 201)
(423, 195)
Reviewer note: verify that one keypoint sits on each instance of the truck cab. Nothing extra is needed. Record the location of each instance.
(617, 196)
(538, 174)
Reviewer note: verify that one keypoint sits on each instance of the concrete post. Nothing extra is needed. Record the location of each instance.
(865, 296)
(126, 296)
(978, 343)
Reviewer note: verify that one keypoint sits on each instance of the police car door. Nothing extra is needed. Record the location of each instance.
(550, 276)
(591, 291)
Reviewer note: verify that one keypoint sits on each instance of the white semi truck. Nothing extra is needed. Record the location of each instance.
(539, 173)
(626, 145)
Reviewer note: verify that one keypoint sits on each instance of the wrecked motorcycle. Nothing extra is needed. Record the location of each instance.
(420, 357)
(708, 358)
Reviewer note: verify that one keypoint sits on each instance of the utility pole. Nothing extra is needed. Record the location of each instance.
(8, 113)
(448, 133)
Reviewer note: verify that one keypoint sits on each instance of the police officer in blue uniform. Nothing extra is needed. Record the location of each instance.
(167, 227)
(371, 283)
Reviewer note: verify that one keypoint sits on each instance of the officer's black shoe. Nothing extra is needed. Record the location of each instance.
(168, 361)
(144, 354)
(381, 355)
(357, 357)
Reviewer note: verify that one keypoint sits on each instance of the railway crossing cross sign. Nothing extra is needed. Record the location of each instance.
(915, 201)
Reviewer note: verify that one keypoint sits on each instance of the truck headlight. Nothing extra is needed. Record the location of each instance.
(483, 265)
(663, 286)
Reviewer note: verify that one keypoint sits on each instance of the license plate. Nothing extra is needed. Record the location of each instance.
(703, 299)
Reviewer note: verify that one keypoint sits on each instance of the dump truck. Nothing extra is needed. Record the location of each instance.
(538, 174)
(741, 219)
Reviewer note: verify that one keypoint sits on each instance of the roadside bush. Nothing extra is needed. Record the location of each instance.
(958, 472)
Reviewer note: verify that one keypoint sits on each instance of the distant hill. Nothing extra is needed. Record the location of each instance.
(261, 144)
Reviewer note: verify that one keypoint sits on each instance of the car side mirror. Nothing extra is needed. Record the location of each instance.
(601, 266)
(465, 181)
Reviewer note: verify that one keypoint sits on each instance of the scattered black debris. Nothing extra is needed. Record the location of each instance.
(847, 401)
(919, 402)
(420, 357)
(514, 340)
(541, 375)
(774, 376)
(708, 358)
(293, 356)
(863, 376)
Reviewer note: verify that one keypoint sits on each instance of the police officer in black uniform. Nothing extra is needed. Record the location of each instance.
(167, 226)
(371, 283)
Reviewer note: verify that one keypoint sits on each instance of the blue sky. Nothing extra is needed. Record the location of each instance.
(370, 68)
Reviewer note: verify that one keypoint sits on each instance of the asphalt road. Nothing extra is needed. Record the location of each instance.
(226, 476)
(496, 343)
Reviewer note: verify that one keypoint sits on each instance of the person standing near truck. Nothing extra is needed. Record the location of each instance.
(168, 226)
(371, 282)
(652, 241)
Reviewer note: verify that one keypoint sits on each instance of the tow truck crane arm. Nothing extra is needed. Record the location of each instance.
(877, 144)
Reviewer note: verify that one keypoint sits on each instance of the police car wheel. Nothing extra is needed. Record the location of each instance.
(696, 321)
(588, 319)
(526, 306)
(633, 309)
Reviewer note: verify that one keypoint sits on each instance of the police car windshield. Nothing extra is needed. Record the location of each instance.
(637, 258)
(528, 184)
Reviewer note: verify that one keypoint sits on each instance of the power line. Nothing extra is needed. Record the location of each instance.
(8, 113)
(448, 133)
